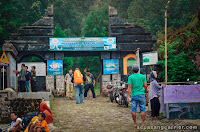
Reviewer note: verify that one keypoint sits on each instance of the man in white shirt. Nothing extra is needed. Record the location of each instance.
(16, 123)
(69, 84)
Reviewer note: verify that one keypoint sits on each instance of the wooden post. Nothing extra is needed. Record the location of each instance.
(3, 78)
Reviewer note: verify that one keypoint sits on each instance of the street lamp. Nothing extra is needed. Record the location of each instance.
(166, 41)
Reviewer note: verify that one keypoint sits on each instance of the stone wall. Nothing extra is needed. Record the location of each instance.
(105, 81)
(22, 106)
(60, 86)
(11, 77)
(50, 82)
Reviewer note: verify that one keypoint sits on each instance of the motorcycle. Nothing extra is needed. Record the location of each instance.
(123, 95)
(116, 94)
(110, 91)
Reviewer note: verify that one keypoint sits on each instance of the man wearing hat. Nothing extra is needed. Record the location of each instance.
(90, 83)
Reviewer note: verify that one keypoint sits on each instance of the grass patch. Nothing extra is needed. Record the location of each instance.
(97, 89)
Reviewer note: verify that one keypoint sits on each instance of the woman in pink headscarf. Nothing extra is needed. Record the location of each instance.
(48, 115)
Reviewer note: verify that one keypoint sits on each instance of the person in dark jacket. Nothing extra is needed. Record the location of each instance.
(33, 79)
(154, 94)
(21, 78)
(90, 83)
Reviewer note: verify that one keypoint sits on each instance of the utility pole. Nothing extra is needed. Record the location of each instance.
(138, 58)
(166, 41)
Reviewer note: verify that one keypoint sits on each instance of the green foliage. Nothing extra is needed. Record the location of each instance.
(32, 59)
(93, 63)
(150, 14)
(67, 15)
(68, 64)
(17, 13)
(121, 6)
(35, 59)
(58, 32)
(34, 12)
(96, 23)
(180, 66)
(11, 14)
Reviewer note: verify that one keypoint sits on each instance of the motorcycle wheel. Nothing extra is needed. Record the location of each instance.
(126, 102)
(120, 100)
(116, 99)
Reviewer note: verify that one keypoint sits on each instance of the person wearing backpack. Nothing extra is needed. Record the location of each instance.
(69, 84)
(78, 84)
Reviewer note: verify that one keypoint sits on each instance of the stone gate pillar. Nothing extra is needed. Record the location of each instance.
(11, 54)
(104, 78)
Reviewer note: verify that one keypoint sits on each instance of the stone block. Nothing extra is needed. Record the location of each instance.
(116, 77)
(49, 82)
(44, 95)
(105, 78)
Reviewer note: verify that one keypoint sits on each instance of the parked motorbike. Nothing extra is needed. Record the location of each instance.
(116, 94)
(123, 95)
(110, 91)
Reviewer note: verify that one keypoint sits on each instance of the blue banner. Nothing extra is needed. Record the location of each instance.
(111, 66)
(83, 44)
(54, 67)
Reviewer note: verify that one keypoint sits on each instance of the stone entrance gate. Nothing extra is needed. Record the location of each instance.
(33, 40)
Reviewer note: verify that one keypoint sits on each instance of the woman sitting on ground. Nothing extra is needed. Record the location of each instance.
(48, 114)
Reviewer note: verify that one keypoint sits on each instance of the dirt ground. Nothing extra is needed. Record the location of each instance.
(100, 115)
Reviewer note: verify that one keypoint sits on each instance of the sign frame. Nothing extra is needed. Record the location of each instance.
(82, 44)
(151, 58)
(54, 67)
(110, 68)
(2, 61)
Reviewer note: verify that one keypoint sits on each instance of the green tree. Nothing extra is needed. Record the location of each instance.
(34, 12)
(58, 32)
(91, 62)
(68, 16)
(121, 6)
(11, 14)
(150, 14)
(68, 64)
(96, 23)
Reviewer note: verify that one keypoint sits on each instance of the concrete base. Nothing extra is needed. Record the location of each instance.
(44, 95)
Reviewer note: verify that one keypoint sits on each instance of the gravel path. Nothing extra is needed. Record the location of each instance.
(100, 115)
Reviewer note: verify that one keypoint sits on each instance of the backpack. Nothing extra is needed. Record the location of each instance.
(78, 79)
(27, 119)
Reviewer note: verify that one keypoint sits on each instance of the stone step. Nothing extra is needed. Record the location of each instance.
(119, 34)
(37, 27)
(31, 47)
(132, 47)
(31, 38)
(44, 95)
(34, 32)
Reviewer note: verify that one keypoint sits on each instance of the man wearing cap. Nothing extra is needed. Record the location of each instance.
(136, 93)
(90, 83)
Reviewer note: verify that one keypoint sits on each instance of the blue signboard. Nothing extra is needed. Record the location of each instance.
(111, 66)
(54, 67)
(83, 44)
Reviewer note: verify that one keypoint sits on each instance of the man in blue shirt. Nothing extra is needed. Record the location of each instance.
(27, 76)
